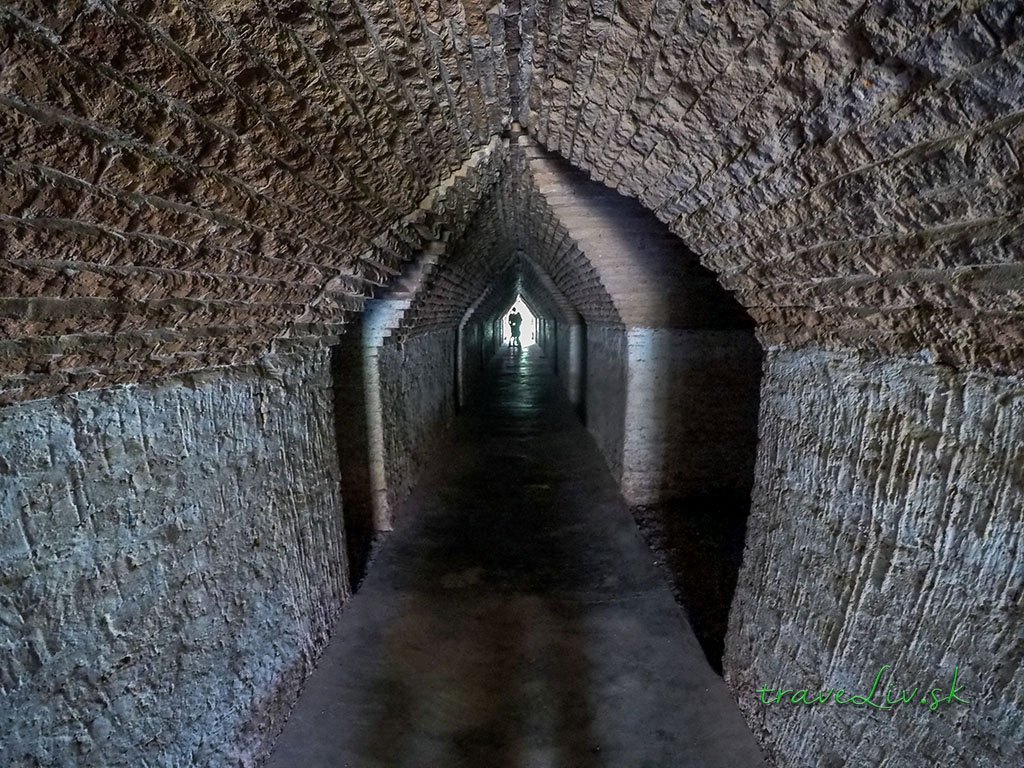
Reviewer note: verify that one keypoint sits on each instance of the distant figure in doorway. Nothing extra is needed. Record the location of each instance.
(515, 320)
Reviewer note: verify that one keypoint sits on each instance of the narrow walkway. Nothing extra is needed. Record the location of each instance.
(515, 620)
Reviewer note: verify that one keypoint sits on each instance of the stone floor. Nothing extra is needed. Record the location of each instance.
(515, 619)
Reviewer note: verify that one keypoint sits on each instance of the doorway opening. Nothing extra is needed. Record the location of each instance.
(528, 328)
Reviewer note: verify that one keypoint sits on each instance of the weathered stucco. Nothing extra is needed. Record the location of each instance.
(886, 529)
(171, 559)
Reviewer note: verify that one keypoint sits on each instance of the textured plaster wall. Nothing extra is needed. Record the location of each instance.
(171, 559)
(887, 527)
(691, 412)
(417, 385)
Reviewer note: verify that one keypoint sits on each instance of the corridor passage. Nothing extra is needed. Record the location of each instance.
(515, 619)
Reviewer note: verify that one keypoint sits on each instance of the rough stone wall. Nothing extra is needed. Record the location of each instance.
(417, 383)
(886, 529)
(190, 185)
(470, 261)
(528, 220)
(852, 170)
(406, 394)
(171, 559)
(620, 251)
(352, 430)
(430, 295)
(560, 326)
(187, 183)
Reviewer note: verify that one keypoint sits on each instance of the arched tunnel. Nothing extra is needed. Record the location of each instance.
(276, 489)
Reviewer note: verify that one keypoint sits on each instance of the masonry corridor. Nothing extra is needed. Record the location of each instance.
(515, 619)
(256, 266)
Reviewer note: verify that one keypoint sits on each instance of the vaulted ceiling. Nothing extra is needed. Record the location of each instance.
(191, 184)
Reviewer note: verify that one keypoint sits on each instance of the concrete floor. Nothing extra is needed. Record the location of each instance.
(515, 619)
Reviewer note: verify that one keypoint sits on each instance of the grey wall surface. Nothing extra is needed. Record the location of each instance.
(480, 342)
(559, 347)
(887, 528)
(572, 365)
(673, 411)
(417, 385)
(605, 393)
(691, 412)
(171, 559)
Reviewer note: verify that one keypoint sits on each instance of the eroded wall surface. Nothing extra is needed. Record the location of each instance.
(189, 184)
(886, 529)
(850, 170)
(417, 384)
(184, 184)
(171, 559)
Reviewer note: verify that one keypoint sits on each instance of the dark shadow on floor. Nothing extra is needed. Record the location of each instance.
(699, 543)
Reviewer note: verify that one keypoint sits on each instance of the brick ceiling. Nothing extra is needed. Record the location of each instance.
(190, 184)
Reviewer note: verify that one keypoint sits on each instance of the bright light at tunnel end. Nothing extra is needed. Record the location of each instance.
(527, 331)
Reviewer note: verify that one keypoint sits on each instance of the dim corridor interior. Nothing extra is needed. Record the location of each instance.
(515, 619)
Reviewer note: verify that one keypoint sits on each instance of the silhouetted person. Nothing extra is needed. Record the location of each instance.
(515, 320)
